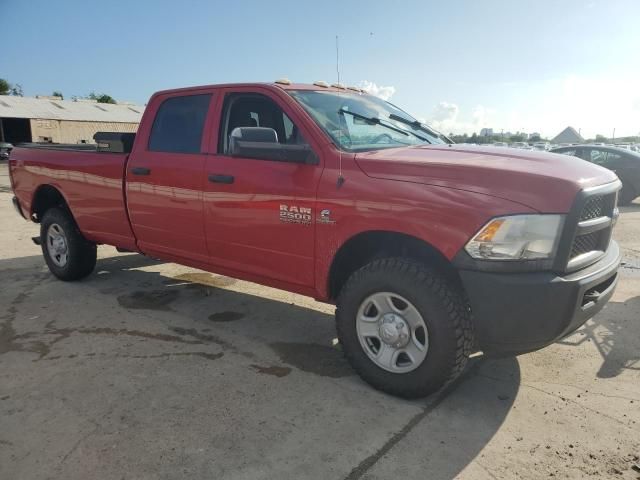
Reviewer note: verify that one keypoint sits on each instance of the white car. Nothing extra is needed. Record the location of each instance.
(541, 146)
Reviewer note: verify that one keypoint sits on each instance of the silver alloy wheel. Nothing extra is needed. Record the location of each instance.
(392, 332)
(57, 245)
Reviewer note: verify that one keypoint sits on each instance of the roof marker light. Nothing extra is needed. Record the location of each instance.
(321, 83)
(338, 85)
(283, 81)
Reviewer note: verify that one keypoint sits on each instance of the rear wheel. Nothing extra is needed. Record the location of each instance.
(68, 254)
(403, 327)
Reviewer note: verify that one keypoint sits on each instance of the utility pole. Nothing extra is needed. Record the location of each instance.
(614, 135)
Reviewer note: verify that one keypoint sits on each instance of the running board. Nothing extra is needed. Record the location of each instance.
(36, 240)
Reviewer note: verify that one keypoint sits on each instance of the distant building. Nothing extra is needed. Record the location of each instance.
(50, 119)
(568, 135)
(486, 132)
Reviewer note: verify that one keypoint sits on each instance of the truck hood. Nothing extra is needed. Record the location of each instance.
(547, 182)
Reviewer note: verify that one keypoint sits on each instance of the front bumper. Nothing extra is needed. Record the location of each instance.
(516, 313)
(16, 205)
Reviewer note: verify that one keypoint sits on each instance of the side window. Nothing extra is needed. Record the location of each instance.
(613, 157)
(179, 123)
(598, 157)
(255, 110)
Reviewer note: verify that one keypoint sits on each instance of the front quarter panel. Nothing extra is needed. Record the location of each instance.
(445, 218)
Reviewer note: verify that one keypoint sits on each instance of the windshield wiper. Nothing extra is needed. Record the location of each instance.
(414, 124)
(374, 120)
(421, 126)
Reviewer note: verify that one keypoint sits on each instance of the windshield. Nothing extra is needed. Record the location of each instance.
(360, 122)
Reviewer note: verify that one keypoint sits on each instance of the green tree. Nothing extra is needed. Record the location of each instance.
(16, 90)
(5, 87)
(518, 137)
(57, 93)
(101, 97)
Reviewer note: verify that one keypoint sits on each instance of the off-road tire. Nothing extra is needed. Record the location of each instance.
(443, 307)
(81, 253)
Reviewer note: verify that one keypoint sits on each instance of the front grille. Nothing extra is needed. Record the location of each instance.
(594, 208)
(586, 240)
(585, 244)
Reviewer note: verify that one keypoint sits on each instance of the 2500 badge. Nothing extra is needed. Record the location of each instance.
(294, 214)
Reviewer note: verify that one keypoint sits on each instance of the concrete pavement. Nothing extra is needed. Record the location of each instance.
(149, 370)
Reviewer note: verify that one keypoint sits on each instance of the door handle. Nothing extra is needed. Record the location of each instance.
(140, 171)
(215, 178)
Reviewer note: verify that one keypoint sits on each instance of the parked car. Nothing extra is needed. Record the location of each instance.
(626, 146)
(523, 145)
(500, 144)
(5, 149)
(430, 251)
(625, 163)
(541, 146)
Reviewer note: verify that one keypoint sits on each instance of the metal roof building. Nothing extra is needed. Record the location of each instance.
(51, 119)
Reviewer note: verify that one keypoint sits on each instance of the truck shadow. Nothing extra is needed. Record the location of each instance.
(202, 308)
(614, 332)
(632, 207)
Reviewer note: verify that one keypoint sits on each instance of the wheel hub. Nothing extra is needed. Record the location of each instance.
(394, 330)
(59, 245)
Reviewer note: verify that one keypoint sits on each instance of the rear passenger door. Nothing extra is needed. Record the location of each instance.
(165, 177)
(260, 213)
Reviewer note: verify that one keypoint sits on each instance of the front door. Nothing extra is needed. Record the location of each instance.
(260, 214)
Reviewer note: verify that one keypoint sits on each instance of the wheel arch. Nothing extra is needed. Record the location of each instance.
(47, 196)
(367, 246)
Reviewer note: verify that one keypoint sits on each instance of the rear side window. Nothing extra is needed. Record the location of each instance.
(179, 123)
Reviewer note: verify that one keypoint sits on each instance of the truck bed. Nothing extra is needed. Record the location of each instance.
(91, 182)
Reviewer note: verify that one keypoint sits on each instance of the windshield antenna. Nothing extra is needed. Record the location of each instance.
(340, 176)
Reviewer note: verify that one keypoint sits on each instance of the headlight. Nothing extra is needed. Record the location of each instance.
(517, 237)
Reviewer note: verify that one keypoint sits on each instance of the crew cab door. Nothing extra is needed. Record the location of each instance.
(165, 177)
(259, 213)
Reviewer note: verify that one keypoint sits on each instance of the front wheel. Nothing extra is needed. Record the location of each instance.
(403, 327)
(68, 254)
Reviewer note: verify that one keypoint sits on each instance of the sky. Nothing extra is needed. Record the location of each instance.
(534, 66)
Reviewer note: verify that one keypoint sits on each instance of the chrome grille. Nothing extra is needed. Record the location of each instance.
(593, 231)
(585, 244)
(594, 208)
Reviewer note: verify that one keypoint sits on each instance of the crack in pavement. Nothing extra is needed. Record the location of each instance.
(485, 469)
(565, 399)
(589, 392)
(365, 465)
(208, 356)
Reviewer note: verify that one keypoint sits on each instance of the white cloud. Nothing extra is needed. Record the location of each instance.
(446, 117)
(591, 104)
(385, 93)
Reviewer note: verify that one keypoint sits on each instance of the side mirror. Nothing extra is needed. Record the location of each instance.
(262, 143)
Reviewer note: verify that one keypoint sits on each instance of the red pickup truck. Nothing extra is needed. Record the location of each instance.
(431, 251)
